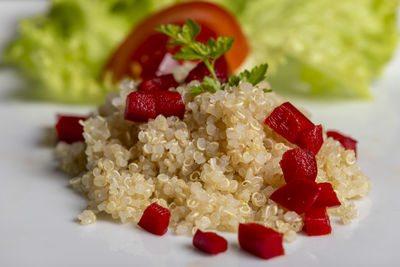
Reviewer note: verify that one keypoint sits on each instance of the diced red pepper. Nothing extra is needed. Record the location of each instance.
(316, 222)
(156, 84)
(155, 219)
(298, 195)
(169, 103)
(260, 241)
(299, 163)
(346, 141)
(140, 107)
(200, 71)
(311, 138)
(68, 129)
(209, 242)
(288, 121)
(327, 196)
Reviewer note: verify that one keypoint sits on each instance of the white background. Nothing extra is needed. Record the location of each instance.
(38, 209)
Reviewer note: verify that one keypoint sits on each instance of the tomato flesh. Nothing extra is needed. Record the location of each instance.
(141, 53)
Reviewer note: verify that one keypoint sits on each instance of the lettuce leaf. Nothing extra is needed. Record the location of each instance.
(62, 52)
(320, 48)
(313, 47)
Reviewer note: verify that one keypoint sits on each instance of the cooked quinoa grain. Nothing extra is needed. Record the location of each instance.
(214, 169)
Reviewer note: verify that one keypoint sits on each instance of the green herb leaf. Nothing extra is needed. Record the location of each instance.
(187, 53)
(212, 85)
(254, 76)
(234, 80)
(170, 30)
(192, 50)
(257, 74)
(197, 90)
(190, 30)
(220, 46)
(267, 90)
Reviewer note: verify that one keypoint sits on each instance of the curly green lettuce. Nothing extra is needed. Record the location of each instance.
(321, 48)
(313, 47)
(63, 51)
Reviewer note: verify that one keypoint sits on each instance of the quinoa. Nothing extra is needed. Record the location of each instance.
(214, 169)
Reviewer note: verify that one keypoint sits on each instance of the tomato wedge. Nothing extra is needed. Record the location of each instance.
(141, 53)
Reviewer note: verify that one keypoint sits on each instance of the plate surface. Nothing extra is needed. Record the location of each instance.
(38, 209)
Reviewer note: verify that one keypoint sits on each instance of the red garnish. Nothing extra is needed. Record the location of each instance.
(287, 121)
(155, 219)
(140, 107)
(298, 195)
(316, 222)
(311, 138)
(299, 163)
(170, 103)
(156, 84)
(68, 129)
(209, 242)
(260, 240)
(327, 197)
(200, 71)
(141, 54)
(346, 141)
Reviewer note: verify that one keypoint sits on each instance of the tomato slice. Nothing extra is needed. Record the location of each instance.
(141, 53)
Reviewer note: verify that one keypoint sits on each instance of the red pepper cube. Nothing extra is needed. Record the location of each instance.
(260, 241)
(327, 196)
(156, 84)
(288, 121)
(155, 219)
(299, 163)
(311, 138)
(298, 195)
(346, 141)
(200, 71)
(316, 222)
(169, 103)
(140, 107)
(209, 242)
(69, 129)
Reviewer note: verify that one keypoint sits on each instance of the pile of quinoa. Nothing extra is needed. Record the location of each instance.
(214, 169)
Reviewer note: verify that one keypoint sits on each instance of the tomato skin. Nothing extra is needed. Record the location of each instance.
(146, 47)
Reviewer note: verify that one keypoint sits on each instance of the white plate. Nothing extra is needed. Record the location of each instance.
(38, 210)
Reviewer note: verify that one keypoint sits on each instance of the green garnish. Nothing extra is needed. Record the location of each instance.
(192, 50)
(197, 90)
(254, 76)
(208, 53)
